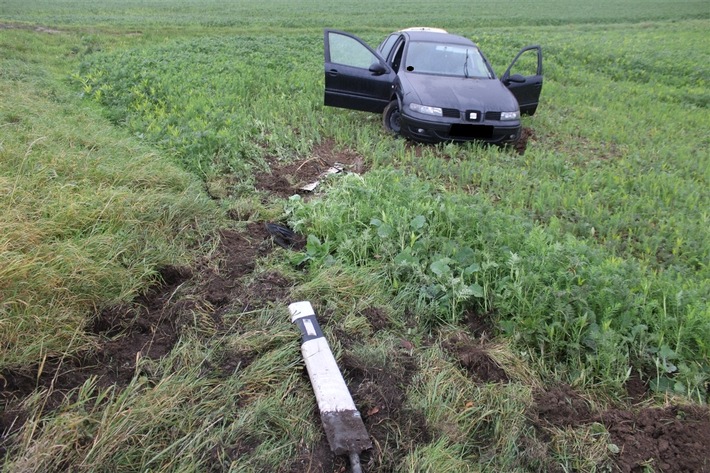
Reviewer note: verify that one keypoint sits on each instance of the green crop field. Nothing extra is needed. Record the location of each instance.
(490, 310)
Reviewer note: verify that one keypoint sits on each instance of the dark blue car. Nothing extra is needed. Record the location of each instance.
(431, 86)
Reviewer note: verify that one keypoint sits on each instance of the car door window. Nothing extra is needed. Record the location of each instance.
(397, 56)
(524, 78)
(387, 44)
(349, 51)
(527, 63)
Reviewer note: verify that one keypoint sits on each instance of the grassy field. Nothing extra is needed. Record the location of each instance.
(491, 311)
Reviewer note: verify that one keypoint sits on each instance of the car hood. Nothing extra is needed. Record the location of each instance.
(457, 92)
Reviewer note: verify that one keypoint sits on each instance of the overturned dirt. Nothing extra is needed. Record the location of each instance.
(124, 334)
(527, 135)
(317, 458)
(480, 325)
(561, 406)
(671, 439)
(285, 180)
(379, 391)
(235, 256)
(637, 390)
(378, 388)
(472, 356)
(151, 324)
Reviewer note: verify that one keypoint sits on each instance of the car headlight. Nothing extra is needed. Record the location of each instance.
(425, 109)
(510, 115)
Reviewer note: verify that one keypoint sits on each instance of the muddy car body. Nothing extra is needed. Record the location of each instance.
(431, 86)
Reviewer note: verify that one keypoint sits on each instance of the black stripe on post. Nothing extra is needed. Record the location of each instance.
(309, 328)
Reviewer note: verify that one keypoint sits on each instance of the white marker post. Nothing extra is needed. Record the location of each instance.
(342, 422)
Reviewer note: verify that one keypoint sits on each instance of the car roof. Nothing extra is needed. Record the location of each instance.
(435, 35)
(424, 28)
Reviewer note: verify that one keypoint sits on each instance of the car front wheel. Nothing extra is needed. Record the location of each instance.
(391, 117)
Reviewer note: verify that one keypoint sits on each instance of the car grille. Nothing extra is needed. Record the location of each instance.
(453, 113)
(450, 112)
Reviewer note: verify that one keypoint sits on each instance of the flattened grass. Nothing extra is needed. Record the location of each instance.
(87, 216)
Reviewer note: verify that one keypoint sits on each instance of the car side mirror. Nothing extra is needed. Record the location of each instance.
(517, 78)
(377, 68)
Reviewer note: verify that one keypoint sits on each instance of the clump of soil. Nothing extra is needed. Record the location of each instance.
(526, 135)
(150, 325)
(316, 459)
(377, 317)
(480, 325)
(472, 356)
(128, 332)
(636, 388)
(561, 406)
(234, 257)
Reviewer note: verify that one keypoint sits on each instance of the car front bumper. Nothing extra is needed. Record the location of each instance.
(430, 131)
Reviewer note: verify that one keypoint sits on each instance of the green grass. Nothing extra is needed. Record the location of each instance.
(311, 14)
(88, 215)
(589, 252)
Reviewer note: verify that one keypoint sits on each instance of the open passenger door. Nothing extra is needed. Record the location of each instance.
(356, 76)
(525, 82)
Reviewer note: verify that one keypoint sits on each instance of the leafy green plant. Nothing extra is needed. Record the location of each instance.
(575, 305)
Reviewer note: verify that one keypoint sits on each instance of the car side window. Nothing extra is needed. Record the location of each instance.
(387, 44)
(526, 64)
(397, 56)
(349, 51)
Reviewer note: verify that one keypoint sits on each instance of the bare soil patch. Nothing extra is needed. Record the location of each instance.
(125, 333)
(150, 325)
(234, 257)
(671, 439)
(379, 391)
(560, 406)
(317, 458)
(480, 325)
(285, 180)
(637, 390)
(377, 317)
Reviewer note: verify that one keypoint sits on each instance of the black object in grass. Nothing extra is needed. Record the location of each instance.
(282, 236)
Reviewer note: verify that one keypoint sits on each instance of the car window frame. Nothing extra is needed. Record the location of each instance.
(381, 47)
(374, 53)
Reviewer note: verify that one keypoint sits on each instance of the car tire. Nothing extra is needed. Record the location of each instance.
(391, 118)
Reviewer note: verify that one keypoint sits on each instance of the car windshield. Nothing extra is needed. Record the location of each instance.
(458, 60)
